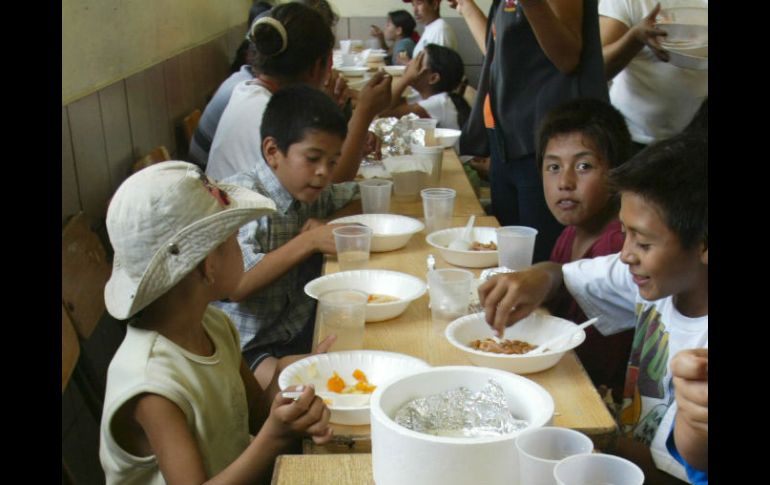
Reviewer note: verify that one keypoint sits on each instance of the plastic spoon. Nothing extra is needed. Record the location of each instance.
(548, 343)
(464, 242)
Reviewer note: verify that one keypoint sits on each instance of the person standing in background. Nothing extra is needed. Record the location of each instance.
(437, 30)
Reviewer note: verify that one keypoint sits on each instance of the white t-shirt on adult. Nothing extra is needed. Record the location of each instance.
(657, 98)
(237, 145)
(437, 32)
(604, 288)
(440, 107)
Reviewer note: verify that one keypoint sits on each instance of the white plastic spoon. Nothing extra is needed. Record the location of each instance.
(464, 242)
(548, 343)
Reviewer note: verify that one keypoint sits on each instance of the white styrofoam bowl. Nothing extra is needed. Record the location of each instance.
(389, 231)
(353, 409)
(537, 328)
(470, 259)
(404, 457)
(446, 137)
(395, 70)
(684, 15)
(405, 287)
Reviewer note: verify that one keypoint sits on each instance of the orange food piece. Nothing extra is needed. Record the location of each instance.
(335, 383)
(360, 376)
(365, 387)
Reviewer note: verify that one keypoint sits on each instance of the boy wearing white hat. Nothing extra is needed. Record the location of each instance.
(180, 402)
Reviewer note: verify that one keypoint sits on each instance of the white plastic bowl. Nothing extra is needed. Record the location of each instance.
(404, 457)
(535, 329)
(353, 409)
(469, 259)
(395, 70)
(390, 231)
(446, 137)
(688, 61)
(405, 287)
(684, 15)
(353, 71)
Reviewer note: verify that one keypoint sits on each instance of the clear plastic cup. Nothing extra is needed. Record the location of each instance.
(429, 126)
(436, 156)
(540, 449)
(450, 295)
(375, 196)
(353, 244)
(595, 468)
(343, 313)
(438, 207)
(515, 246)
(407, 185)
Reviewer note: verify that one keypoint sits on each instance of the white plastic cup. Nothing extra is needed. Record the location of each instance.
(436, 156)
(438, 206)
(429, 126)
(353, 244)
(343, 313)
(349, 60)
(515, 246)
(345, 46)
(592, 469)
(450, 295)
(375, 196)
(540, 449)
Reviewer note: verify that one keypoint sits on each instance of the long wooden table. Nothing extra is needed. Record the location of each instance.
(577, 403)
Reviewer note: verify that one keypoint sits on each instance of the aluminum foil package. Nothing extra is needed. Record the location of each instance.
(395, 134)
(461, 413)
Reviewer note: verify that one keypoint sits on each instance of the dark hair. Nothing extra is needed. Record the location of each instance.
(403, 19)
(673, 175)
(593, 118)
(245, 52)
(256, 9)
(324, 8)
(294, 110)
(700, 122)
(309, 39)
(448, 64)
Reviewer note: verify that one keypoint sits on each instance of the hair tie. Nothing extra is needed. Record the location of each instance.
(277, 25)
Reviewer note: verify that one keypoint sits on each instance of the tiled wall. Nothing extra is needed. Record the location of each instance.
(106, 131)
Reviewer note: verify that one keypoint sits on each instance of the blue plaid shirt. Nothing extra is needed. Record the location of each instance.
(274, 315)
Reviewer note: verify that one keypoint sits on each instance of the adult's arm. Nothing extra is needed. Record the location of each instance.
(476, 20)
(557, 27)
(621, 43)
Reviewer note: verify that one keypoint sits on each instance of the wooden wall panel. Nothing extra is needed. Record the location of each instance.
(70, 197)
(90, 154)
(117, 132)
(160, 128)
(139, 114)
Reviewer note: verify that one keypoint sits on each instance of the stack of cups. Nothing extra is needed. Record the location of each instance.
(375, 196)
(436, 156)
(515, 246)
(438, 207)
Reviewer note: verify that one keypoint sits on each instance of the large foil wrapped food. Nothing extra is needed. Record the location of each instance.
(396, 135)
(461, 413)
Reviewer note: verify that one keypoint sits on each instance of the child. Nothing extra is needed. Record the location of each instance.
(578, 144)
(399, 27)
(435, 73)
(293, 45)
(437, 30)
(658, 284)
(302, 133)
(180, 401)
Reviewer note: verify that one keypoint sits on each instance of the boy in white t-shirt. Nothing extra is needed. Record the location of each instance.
(437, 30)
(658, 284)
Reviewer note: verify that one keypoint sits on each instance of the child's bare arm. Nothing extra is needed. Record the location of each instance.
(620, 43)
(557, 27)
(691, 431)
(257, 400)
(509, 297)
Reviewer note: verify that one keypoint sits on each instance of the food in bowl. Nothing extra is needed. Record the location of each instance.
(362, 386)
(480, 246)
(505, 346)
(377, 298)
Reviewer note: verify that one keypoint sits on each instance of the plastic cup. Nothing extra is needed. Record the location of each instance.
(407, 185)
(349, 60)
(438, 206)
(375, 196)
(515, 246)
(592, 469)
(345, 46)
(450, 295)
(352, 243)
(429, 126)
(343, 313)
(436, 156)
(541, 449)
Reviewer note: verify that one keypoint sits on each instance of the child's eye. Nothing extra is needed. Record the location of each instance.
(552, 167)
(643, 246)
(584, 166)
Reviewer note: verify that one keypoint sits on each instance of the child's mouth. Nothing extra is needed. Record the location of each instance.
(566, 204)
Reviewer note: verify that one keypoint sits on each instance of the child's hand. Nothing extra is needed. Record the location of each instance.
(373, 145)
(415, 68)
(307, 415)
(375, 31)
(509, 297)
(690, 369)
(402, 58)
(646, 33)
(320, 236)
(375, 95)
(336, 87)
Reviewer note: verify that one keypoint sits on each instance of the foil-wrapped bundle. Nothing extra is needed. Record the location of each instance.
(461, 413)
(396, 134)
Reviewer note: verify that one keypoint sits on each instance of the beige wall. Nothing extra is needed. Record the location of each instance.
(370, 8)
(104, 41)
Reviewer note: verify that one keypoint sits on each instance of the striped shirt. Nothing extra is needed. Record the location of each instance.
(274, 315)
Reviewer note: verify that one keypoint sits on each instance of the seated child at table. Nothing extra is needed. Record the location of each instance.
(578, 143)
(434, 74)
(180, 403)
(657, 284)
(398, 29)
(302, 135)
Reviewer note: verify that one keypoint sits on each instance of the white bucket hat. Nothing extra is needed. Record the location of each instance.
(163, 221)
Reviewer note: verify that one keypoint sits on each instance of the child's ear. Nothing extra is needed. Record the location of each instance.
(271, 152)
(434, 78)
(206, 270)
